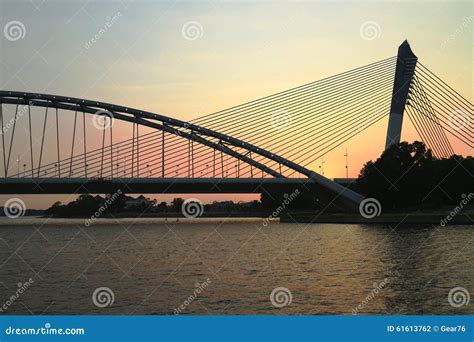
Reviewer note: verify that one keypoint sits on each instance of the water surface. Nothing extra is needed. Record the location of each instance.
(155, 267)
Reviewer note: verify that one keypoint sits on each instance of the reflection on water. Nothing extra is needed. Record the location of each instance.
(216, 267)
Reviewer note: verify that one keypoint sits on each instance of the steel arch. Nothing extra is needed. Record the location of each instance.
(181, 128)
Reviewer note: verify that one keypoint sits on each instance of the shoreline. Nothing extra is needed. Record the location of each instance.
(299, 217)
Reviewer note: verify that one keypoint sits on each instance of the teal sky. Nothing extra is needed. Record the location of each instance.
(247, 50)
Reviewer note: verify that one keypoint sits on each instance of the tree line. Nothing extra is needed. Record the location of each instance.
(405, 177)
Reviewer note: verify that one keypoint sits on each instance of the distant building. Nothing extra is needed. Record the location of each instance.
(137, 202)
(247, 204)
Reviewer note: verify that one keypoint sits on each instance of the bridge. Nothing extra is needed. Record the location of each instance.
(261, 146)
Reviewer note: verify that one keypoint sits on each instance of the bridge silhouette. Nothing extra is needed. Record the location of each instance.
(264, 145)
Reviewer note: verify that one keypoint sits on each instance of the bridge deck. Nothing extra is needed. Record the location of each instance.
(149, 185)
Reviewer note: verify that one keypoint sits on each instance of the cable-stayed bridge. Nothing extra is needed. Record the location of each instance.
(263, 145)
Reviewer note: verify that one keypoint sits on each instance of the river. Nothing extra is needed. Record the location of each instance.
(231, 267)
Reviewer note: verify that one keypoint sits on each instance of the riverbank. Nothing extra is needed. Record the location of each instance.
(294, 217)
(125, 221)
(167, 215)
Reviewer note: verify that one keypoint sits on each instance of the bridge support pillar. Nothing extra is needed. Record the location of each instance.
(405, 68)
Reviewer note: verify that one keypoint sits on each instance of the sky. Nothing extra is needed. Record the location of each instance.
(244, 50)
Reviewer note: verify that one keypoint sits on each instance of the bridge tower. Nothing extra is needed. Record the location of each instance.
(405, 68)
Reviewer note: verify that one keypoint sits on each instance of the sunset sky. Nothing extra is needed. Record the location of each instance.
(246, 50)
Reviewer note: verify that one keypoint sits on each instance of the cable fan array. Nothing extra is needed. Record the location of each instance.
(305, 123)
(301, 124)
(435, 108)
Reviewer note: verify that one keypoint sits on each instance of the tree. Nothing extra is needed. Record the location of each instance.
(176, 204)
(161, 207)
(407, 175)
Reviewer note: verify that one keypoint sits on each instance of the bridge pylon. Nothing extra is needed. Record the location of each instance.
(405, 69)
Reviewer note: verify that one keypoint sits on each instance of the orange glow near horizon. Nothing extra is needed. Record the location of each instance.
(144, 62)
